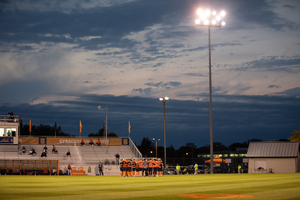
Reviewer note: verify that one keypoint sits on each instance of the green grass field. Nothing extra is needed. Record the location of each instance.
(230, 186)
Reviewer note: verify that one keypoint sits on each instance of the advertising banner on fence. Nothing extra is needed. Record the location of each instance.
(71, 141)
(6, 140)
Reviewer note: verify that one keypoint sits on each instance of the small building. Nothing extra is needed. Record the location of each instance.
(273, 157)
(9, 129)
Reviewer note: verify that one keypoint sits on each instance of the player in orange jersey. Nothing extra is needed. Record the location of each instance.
(133, 167)
(160, 167)
(125, 166)
(129, 167)
(140, 167)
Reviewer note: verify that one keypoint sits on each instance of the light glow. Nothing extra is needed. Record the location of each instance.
(210, 18)
(207, 12)
(199, 11)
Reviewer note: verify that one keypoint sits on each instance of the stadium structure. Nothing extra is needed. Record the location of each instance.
(84, 159)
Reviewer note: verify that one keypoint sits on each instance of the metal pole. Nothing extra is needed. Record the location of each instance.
(156, 148)
(106, 130)
(210, 106)
(165, 142)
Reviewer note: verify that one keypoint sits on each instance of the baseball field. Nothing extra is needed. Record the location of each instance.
(183, 187)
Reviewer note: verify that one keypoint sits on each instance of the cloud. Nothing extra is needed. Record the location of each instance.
(140, 90)
(265, 117)
(164, 85)
(271, 63)
(294, 92)
(195, 74)
(273, 86)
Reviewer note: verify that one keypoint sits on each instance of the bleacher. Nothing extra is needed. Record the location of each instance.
(81, 156)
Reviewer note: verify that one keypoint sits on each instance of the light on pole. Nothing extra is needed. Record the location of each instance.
(164, 100)
(99, 107)
(156, 145)
(210, 19)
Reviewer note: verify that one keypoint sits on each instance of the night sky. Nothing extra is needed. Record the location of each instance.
(59, 60)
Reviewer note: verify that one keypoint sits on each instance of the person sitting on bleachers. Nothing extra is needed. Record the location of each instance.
(82, 142)
(91, 142)
(32, 152)
(23, 150)
(45, 148)
(44, 154)
(98, 142)
(68, 154)
(54, 150)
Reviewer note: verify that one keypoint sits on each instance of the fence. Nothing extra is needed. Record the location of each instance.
(29, 167)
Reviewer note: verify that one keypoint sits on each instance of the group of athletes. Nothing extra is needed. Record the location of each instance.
(142, 167)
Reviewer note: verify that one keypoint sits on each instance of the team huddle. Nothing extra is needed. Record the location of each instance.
(151, 167)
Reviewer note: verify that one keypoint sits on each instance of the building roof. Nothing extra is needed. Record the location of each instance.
(273, 149)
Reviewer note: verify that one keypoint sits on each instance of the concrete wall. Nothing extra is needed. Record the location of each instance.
(277, 165)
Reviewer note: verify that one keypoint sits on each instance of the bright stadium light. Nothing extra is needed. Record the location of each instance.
(210, 19)
(164, 100)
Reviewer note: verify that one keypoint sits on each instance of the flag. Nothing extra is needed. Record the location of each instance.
(129, 127)
(29, 125)
(55, 127)
(80, 126)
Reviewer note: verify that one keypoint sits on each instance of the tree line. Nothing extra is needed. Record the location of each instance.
(47, 130)
(190, 150)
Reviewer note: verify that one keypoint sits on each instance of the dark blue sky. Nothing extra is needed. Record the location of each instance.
(61, 59)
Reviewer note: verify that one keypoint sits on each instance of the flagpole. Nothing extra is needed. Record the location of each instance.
(55, 128)
(129, 129)
(30, 128)
(99, 107)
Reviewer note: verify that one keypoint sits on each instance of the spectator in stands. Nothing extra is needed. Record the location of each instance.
(91, 142)
(45, 148)
(69, 169)
(82, 142)
(32, 152)
(98, 142)
(23, 149)
(68, 154)
(100, 167)
(11, 114)
(44, 153)
(54, 150)
(117, 158)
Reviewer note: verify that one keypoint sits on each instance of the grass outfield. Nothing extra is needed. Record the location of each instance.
(228, 186)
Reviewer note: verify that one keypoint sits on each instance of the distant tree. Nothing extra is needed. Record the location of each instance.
(101, 133)
(218, 146)
(112, 134)
(233, 146)
(204, 149)
(254, 140)
(283, 140)
(42, 130)
(146, 146)
(296, 136)
(171, 152)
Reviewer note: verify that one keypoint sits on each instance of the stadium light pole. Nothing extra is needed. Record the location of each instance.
(156, 145)
(164, 100)
(210, 19)
(99, 107)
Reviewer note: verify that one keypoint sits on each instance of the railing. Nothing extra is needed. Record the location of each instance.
(9, 118)
(134, 149)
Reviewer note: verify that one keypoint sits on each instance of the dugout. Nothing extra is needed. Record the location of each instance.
(273, 157)
(29, 167)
